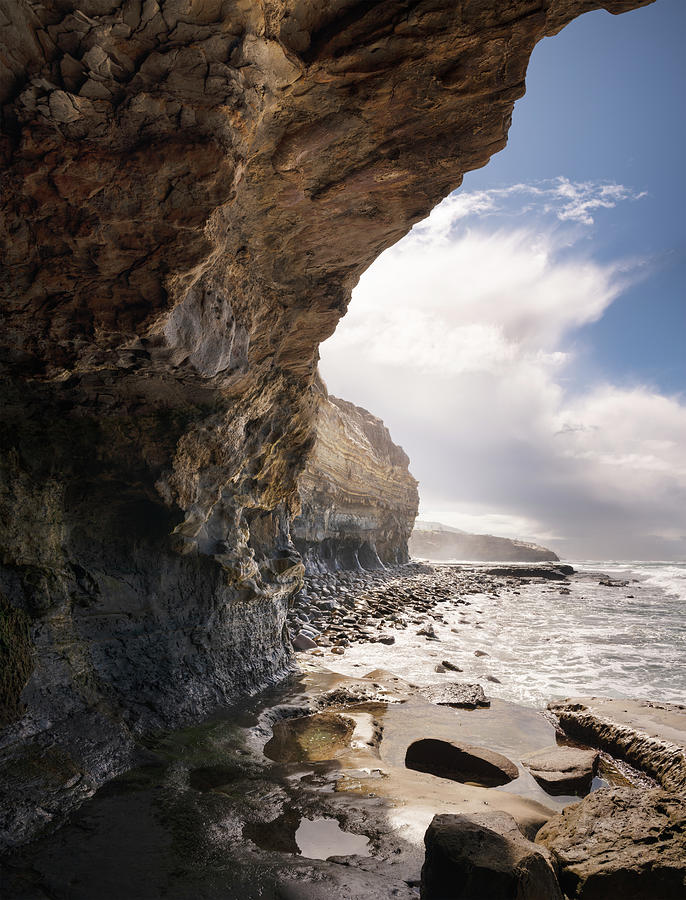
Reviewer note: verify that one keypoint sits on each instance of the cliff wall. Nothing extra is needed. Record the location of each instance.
(190, 189)
(359, 501)
(430, 540)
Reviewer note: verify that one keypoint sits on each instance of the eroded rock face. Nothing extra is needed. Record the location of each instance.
(649, 735)
(190, 190)
(359, 501)
(620, 841)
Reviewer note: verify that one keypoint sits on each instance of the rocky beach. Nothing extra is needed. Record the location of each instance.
(370, 785)
(334, 610)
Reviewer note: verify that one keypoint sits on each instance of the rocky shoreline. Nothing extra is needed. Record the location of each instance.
(639, 821)
(313, 791)
(335, 609)
(371, 787)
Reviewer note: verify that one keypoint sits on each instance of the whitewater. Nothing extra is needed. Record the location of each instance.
(537, 642)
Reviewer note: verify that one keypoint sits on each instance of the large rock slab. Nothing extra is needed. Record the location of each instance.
(484, 856)
(650, 736)
(620, 842)
(460, 762)
(563, 770)
(456, 693)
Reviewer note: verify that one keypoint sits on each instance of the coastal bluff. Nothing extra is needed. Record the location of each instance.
(359, 500)
(432, 540)
(190, 190)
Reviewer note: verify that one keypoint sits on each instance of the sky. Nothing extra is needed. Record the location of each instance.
(526, 343)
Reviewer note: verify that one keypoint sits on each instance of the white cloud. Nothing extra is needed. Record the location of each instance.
(475, 303)
(460, 338)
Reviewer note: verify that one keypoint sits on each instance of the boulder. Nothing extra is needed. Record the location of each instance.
(460, 762)
(302, 641)
(429, 632)
(484, 856)
(620, 842)
(456, 693)
(563, 770)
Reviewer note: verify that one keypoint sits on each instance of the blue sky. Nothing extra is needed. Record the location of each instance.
(606, 101)
(532, 359)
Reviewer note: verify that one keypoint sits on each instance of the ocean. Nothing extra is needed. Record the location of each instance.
(543, 644)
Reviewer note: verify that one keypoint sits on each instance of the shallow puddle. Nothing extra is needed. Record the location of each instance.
(323, 838)
(318, 838)
(315, 738)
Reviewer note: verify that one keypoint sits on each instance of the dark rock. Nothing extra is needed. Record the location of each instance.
(429, 632)
(302, 641)
(455, 693)
(551, 573)
(563, 770)
(450, 666)
(480, 653)
(620, 843)
(484, 856)
(460, 762)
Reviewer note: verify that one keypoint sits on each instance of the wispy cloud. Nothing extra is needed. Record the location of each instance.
(568, 201)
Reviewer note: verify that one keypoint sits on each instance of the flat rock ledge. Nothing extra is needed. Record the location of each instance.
(650, 736)
(484, 856)
(563, 770)
(460, 762)
(620, 842)
(456, 693)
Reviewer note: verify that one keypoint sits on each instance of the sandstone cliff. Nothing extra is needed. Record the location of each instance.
(431, 540)
(190, 190)
(359, 501)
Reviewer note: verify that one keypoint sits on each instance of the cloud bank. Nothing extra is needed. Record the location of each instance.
(463, 340)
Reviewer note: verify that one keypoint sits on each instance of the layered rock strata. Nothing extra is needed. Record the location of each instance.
(432, 540)
(650, 736)
(359, 501)
(190, 190)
